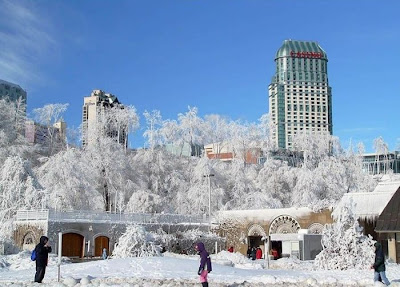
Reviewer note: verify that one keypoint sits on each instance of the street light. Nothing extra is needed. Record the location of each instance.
(209, 194)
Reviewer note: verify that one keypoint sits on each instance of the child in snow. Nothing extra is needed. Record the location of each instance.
(205, 263)
(104, 255)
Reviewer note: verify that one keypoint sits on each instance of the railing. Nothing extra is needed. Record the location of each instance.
(93, 216)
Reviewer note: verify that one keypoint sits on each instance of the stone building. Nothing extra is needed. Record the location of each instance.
(290, 231)
(86, 233)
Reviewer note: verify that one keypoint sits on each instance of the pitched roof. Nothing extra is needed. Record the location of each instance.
(389, 220)
(369, 205)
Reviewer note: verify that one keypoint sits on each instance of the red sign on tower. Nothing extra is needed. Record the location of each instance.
(316, 55)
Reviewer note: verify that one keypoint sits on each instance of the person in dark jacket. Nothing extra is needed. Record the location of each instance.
(253, 253)
(205, 263)
(379, 265)
(249, 252)
(42, 256)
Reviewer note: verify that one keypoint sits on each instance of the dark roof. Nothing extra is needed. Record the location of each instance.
(389, 220)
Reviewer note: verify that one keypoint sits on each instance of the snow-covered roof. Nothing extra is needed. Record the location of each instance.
(368, 205)
(264, 214)
(389, 186)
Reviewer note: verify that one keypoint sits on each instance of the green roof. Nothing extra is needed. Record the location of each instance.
(289, 46)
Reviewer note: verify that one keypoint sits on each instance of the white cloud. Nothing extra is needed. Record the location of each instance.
(25, 41)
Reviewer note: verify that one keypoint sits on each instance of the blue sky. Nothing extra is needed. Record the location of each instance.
(215, 55)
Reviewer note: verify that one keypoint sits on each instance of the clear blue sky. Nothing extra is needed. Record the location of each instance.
(215, 55)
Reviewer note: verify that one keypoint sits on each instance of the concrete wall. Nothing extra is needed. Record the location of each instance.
(89, 231)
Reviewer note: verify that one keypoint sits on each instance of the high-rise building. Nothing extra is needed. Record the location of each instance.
(96, 118)
(11, 91)
(299, 94)
(40, 134)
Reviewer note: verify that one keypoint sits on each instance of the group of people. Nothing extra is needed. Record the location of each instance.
(254, 253)
(43, 249)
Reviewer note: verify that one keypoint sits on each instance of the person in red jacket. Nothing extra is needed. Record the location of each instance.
(230, 249)
(258, 253)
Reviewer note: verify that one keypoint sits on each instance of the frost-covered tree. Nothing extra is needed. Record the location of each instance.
(135, 242)
(48, 116)
(144, 202)
(69, 183)
(154, 122)
(381, 157)
(344, 244)
(19, 189)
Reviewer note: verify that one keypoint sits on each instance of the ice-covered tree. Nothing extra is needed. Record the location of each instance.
(144, 202)
(69, 182)
(154, 122)
(135, 242)
(19, 189)
(48, 116)
(344, 244)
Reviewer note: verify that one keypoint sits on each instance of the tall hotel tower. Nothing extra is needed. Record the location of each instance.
(299, 94)
(95, 121)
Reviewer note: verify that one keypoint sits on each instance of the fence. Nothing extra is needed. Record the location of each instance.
(93, 216)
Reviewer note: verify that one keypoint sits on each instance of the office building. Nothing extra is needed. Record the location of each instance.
(299, 94)
(12, 92)
(96, 118)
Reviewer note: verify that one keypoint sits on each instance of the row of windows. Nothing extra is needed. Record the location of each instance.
(306, 108)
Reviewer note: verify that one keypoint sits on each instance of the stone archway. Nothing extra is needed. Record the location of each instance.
(284, 224)
(29, 241)
(256, 230)
(315, 228)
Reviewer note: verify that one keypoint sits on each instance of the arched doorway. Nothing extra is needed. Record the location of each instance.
(255, 237)
(29, 241)
(281, 246)
(99, 243)
(72, 245)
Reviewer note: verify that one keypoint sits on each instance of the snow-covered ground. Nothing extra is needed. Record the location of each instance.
(229, 269)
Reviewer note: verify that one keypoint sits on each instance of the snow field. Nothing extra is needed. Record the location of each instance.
(174, 270)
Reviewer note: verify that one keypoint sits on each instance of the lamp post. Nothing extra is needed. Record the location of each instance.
(209, 194)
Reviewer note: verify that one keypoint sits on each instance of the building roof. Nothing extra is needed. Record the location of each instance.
(389, 220)
(264, 214)
(11, 84)
(289, 46)
(369, 205)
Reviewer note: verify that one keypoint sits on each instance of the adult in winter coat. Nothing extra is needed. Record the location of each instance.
(205, 263)
(249, 252)
(258, 253)
(42, 256)
(379, 264)
(253, 253)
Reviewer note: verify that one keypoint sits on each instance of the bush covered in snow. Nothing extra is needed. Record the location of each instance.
(184, 241)
(344, 244)
(135, 242)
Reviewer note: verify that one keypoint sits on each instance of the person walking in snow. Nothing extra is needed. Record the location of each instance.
(205, 263)
(42, 256)
(379, 265)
